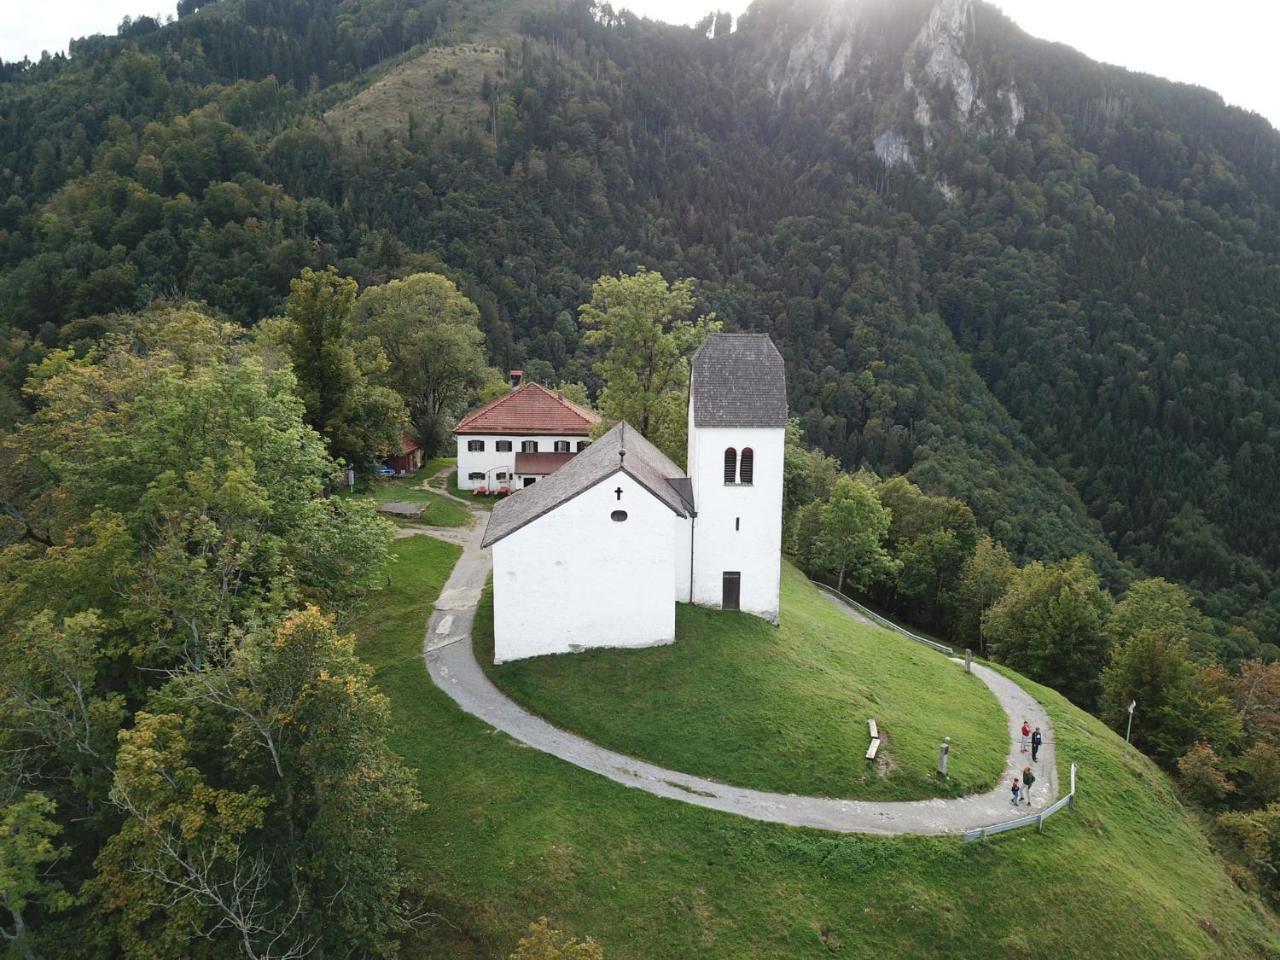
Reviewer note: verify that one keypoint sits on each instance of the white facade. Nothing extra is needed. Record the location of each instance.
(738, 528)
(496, 467)
(575, 578)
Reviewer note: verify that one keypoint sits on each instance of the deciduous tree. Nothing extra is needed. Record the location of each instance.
(647, 332)
(851, 529)
(336, 377)
(435, 351)
(983, 580)
(1050, 625)
(27, 849)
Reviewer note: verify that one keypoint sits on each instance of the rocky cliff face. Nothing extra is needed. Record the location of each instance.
(946, 45)
(937, 80)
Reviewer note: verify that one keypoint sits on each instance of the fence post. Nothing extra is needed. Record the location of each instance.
(1072, 795)
(1040, 823)
(968, 660)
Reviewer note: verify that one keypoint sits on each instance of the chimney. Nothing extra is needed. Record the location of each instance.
(516, 377)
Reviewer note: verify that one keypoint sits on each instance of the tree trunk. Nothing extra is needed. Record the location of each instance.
(20, 938)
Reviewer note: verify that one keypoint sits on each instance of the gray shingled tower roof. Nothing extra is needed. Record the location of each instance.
(644, 463)
(739, 380)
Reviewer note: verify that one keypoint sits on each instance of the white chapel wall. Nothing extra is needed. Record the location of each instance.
(575, 579)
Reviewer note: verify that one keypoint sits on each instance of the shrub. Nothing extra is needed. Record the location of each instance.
(1200, 771)
(544, 942)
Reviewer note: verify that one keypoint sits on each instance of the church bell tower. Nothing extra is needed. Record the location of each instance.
(737, 434)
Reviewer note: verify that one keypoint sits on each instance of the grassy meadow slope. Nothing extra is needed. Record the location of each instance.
(510, 834)
(441, 86)
(783, 709)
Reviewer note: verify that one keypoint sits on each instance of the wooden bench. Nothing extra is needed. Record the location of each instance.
(875, 738)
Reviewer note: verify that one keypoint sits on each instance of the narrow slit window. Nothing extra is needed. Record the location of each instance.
(730, 465)
(746, 468)
(618, 516)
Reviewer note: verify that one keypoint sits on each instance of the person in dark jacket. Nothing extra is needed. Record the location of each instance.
(1028, 778)
(1036, 740)
(1016, 792)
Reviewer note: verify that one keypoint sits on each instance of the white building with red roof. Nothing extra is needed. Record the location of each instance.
(520, 438)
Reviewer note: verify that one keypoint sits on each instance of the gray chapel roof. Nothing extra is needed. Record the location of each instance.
(644, 463)
(739, 380)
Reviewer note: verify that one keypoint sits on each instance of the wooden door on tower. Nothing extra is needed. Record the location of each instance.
(732, 590)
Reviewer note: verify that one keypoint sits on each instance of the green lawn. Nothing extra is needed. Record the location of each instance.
(435, 465)
(510, 834)
(776, 708)
(439, 510)
(484, 503)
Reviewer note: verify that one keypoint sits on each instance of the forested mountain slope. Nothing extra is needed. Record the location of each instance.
(1042, 284)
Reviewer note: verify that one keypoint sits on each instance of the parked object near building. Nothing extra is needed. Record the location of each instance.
(598, 552)
(410, 457)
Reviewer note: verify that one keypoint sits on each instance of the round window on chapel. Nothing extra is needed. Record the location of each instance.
(618, 516)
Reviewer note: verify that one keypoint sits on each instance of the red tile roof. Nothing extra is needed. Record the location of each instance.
(529, 410)
(540, 464)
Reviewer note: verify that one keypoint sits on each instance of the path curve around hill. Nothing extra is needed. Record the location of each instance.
(453, 667)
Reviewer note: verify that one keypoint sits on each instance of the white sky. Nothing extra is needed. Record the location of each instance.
(1226, 45)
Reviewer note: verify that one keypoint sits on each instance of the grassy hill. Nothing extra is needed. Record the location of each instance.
(510, 834)
(440, 87)
(783, 709)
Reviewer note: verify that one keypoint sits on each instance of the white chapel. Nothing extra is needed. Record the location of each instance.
(598, 553)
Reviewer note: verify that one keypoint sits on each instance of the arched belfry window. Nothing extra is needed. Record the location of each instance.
(730, 465)
(747, 465)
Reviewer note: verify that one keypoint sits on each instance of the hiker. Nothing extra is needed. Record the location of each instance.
(1028, 778)
(1036, 740)
(1026, 732)
(1016, 792)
